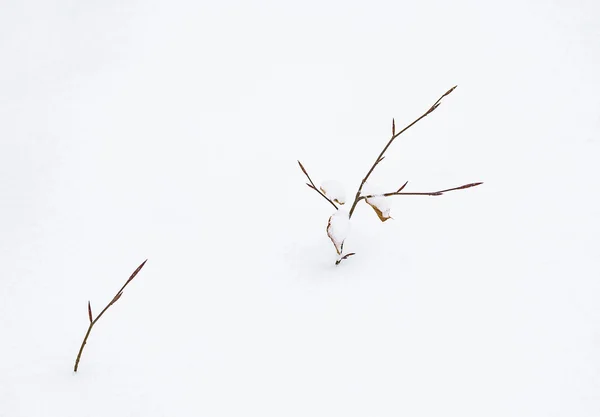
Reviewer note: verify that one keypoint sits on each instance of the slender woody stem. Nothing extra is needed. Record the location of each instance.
(94, 321)
(314, 187)
(394, 136)
(431, 193)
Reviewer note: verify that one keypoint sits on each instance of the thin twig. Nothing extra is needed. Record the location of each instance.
(431, 193)
(314, 187)
(402, 188)
(394, 136)
(346, 256)
(94, 321)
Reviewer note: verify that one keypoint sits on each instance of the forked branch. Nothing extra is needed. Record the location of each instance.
(314, 187)
(337, 227)
(435, 105)
(431, 193)
(94, 321)
(346, 256)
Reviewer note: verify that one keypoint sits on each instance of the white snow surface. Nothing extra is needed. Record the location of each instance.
(170, 131)
(334, 190)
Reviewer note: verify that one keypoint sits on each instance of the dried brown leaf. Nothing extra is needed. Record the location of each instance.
(336, 244)
(383, 216)
(337, 230)
(334, 190)
(335, 200)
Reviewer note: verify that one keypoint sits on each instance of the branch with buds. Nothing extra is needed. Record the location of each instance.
(339, 222)
(94, 321)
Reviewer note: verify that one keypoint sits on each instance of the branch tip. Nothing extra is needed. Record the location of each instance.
(402, 188)
(302, 168)
(136, 271)
(90, 312)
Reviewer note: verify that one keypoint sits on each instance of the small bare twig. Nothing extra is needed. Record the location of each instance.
(402, 188)
(432, 193)
(314, 187)
(394, 136)
(346, 256)
(94, 321)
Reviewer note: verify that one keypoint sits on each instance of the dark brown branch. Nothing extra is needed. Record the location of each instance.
(314, 187)
(346, 256)
(432, 193)
(435, 105)
(93, 322)
(402, 188)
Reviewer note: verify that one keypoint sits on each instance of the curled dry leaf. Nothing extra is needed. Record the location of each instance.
(382, 213)
(380, 204)
(338, 227)
(334, 190)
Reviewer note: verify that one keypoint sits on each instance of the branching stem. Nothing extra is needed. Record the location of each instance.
(431, 193)
(359, 193)
(94, 321)
(314, 187)
(435, 105)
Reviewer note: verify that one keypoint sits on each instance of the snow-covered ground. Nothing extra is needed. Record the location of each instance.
(171, 130)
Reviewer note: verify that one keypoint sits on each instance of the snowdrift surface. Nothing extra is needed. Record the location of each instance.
(134, 130)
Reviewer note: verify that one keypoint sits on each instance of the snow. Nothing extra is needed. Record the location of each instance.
(338, 227)
(171, 130)
(334, 190)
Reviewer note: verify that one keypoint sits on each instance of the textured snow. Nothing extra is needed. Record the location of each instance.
(171, 130)
(334, 190)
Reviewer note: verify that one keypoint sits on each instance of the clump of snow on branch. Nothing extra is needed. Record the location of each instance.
(334, 190)
(380, 204)
(338, 228)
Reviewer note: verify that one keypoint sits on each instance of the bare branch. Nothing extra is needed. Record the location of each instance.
(93, 322)
(394, 136)
(402, 188)
(346, 256)
(384, 215)
(314, 187)
(430, 193)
